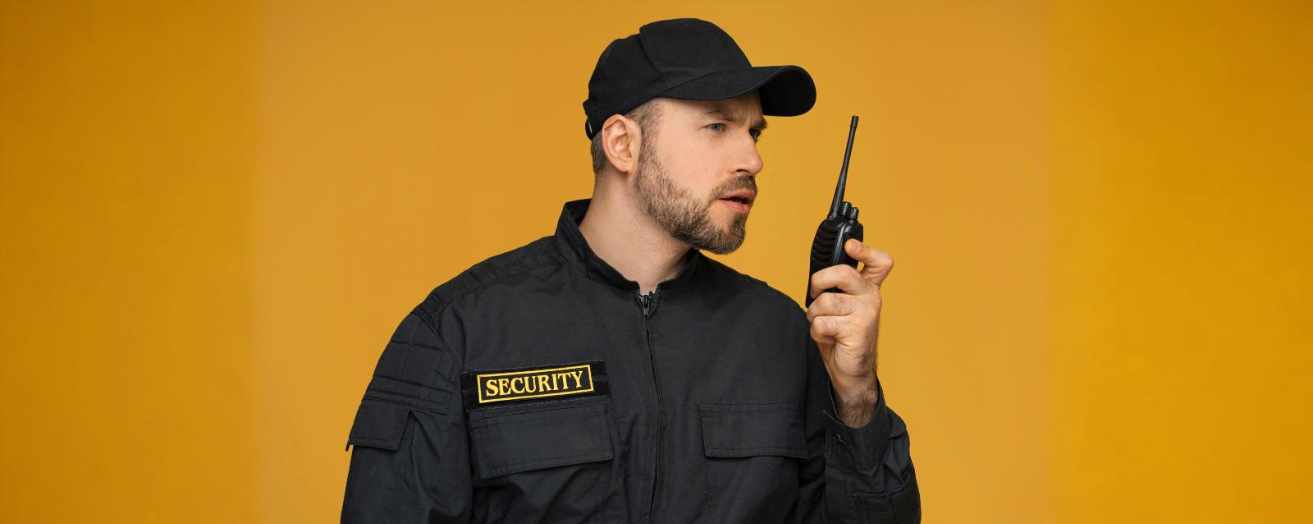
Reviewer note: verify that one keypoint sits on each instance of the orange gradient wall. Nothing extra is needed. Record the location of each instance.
(213, 217)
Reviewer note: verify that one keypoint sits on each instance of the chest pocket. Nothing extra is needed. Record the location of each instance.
(749, 430)
(551, 459)
(542, 435)
(754, 453)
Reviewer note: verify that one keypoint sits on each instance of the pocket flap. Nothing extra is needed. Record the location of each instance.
(515, 440)
(747, 430)
(379, 424)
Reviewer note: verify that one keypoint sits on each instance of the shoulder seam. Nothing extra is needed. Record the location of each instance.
(757, 282)
(520, 266)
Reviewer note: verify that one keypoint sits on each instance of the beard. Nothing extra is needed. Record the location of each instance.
(681, 214)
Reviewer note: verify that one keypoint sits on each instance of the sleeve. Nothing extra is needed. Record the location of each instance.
(866, 474)
(410, 462)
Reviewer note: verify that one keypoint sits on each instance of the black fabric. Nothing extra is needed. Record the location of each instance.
(691, 59)
(747, 430)
(514, 440)
(717, 409)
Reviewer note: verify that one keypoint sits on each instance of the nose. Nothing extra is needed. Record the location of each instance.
(748, 161)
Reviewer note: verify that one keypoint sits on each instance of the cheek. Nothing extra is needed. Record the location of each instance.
(693, 170)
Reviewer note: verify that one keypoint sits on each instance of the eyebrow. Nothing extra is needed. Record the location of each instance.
(759, 125)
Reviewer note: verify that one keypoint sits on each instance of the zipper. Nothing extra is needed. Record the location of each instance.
(648, 304)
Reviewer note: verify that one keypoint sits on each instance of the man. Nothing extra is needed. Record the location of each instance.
(612, 372)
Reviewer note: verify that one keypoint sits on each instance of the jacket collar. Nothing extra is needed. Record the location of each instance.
(575, 247)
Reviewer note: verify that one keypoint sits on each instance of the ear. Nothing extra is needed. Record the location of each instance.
(621, 141)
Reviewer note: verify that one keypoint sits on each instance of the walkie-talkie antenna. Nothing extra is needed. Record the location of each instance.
(843, 171)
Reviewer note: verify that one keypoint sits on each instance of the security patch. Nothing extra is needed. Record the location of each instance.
(483, 388)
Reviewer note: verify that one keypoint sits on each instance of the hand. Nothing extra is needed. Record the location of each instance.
(845, 326)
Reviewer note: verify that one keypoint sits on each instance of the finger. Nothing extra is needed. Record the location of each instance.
(876, 264)
(832, 304)
(825, 328)
(840, 276)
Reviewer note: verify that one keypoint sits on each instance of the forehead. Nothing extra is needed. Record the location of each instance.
(742, 107)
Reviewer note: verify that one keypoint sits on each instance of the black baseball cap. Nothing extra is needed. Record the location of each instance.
(690, 59)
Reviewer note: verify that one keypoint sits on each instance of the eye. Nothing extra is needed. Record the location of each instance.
(717, 127)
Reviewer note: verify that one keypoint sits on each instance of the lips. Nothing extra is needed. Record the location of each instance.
(742, 196)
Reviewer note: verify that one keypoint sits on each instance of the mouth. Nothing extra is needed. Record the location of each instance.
(741, 200)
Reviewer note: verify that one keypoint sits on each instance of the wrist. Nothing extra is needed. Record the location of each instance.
(855, 400)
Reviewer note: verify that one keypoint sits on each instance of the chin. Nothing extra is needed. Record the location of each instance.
(726, 224)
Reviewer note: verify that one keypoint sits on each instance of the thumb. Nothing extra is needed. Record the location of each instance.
(876, 264)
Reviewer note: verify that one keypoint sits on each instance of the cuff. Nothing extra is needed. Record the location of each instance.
(863, 447)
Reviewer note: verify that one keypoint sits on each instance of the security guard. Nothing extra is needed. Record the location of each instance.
(613, 373)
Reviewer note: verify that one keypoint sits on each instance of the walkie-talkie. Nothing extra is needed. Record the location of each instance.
(839, 226)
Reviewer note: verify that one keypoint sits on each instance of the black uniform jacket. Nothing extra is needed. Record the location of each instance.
(537, 386)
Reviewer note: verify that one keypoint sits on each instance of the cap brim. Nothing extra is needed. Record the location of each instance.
(784, 90)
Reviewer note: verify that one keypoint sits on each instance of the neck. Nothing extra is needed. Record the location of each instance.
(619, 232)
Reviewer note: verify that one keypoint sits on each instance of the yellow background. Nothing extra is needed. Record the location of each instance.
(213, 217)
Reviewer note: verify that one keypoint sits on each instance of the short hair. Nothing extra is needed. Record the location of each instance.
(647, 115)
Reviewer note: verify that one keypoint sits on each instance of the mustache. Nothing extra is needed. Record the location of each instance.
(743, 182)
